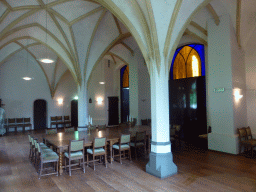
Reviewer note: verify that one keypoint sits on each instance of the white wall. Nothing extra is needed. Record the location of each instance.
(18, 95)
(224, 70)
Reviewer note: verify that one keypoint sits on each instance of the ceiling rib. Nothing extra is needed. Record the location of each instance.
(203, 30)
(190, 33)
(238, 22)
(213, 13)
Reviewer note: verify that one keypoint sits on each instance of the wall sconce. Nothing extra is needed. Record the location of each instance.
(60, 101)
(76, 97)
(237, 95)
(90, 100)
(99, 100)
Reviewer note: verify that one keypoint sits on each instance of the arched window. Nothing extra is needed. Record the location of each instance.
(125, 79)
(188, 61)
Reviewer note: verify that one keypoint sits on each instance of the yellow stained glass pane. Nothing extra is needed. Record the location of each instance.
(126, 77)
(187, 63)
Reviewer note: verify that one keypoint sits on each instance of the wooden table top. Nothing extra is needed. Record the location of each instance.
(62, 139)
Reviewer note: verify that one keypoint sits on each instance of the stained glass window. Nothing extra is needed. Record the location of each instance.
(188, 61)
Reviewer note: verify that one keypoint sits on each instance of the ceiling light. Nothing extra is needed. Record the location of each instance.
(102, 82)
(27, 78)
(46, 60)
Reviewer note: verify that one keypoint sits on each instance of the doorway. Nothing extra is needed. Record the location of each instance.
(113, 116)
(74, 113)
(40, 115)
(124, 85)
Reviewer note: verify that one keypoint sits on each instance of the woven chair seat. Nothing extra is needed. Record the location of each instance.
(74, 155)
(99, 150)
(124, 146)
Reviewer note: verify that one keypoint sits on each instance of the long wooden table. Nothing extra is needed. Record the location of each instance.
(61, 140)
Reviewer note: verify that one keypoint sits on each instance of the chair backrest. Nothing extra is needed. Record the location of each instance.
(76, 145)
(101, 126)
(11, 121)
(53, 118)
(27, 120)
(149, 122)
(59, 118)
(172, 132)
(70, 129)
(248, 132)
(19, 120)
(134, 121)
(144, 122)
(242, 134)
(125, 138)
(50, 131)
(99, 142)
(66, 118)
(141, 136)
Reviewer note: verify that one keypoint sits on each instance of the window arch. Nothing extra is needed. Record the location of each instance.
(188, 61)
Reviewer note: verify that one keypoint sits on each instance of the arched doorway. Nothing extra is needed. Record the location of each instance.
(124, 84)
(187, 92)
(74, 113)
(40, 114)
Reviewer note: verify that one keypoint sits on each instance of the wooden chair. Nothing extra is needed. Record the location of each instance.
(75, 152)
(139, 142)
(101, 127)
(243, 139)
(134, 122)
(53, 121)
(27, 123)
(47, 156)
(50, 131)
(99, 149)
(20, 123)
(82, 128)
(249, 133)
(11, 124)
(144, 122)
(67, 121)
(124, 145)
(69, 130)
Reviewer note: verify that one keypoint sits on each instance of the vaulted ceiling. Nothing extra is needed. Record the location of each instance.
(77, 34)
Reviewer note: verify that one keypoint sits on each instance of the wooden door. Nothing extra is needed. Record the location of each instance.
(113, 116)
(40, 114)
(74, 113)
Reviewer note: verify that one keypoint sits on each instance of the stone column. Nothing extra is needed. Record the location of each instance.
(82, 105)
(160, 160)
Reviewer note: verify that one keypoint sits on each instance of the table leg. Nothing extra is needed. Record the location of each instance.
(60, 161)
(110, 148)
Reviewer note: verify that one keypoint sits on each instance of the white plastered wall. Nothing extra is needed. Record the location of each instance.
(19, 95)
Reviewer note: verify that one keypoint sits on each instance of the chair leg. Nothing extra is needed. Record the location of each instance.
(135, 152)
(93, 162)
(83, 164)
(130, 155)
(69, 165)
(41, 168)
(120, 156)
(57, 168)
(106, 160)
(87, 159)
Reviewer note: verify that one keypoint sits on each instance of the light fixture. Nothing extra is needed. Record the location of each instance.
(237, 94)
(60, 101)
(76, 97)
(99, 100)
(46, 60)
(102, 82)
(27, 78)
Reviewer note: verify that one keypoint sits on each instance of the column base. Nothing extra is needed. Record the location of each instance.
(161, 165)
